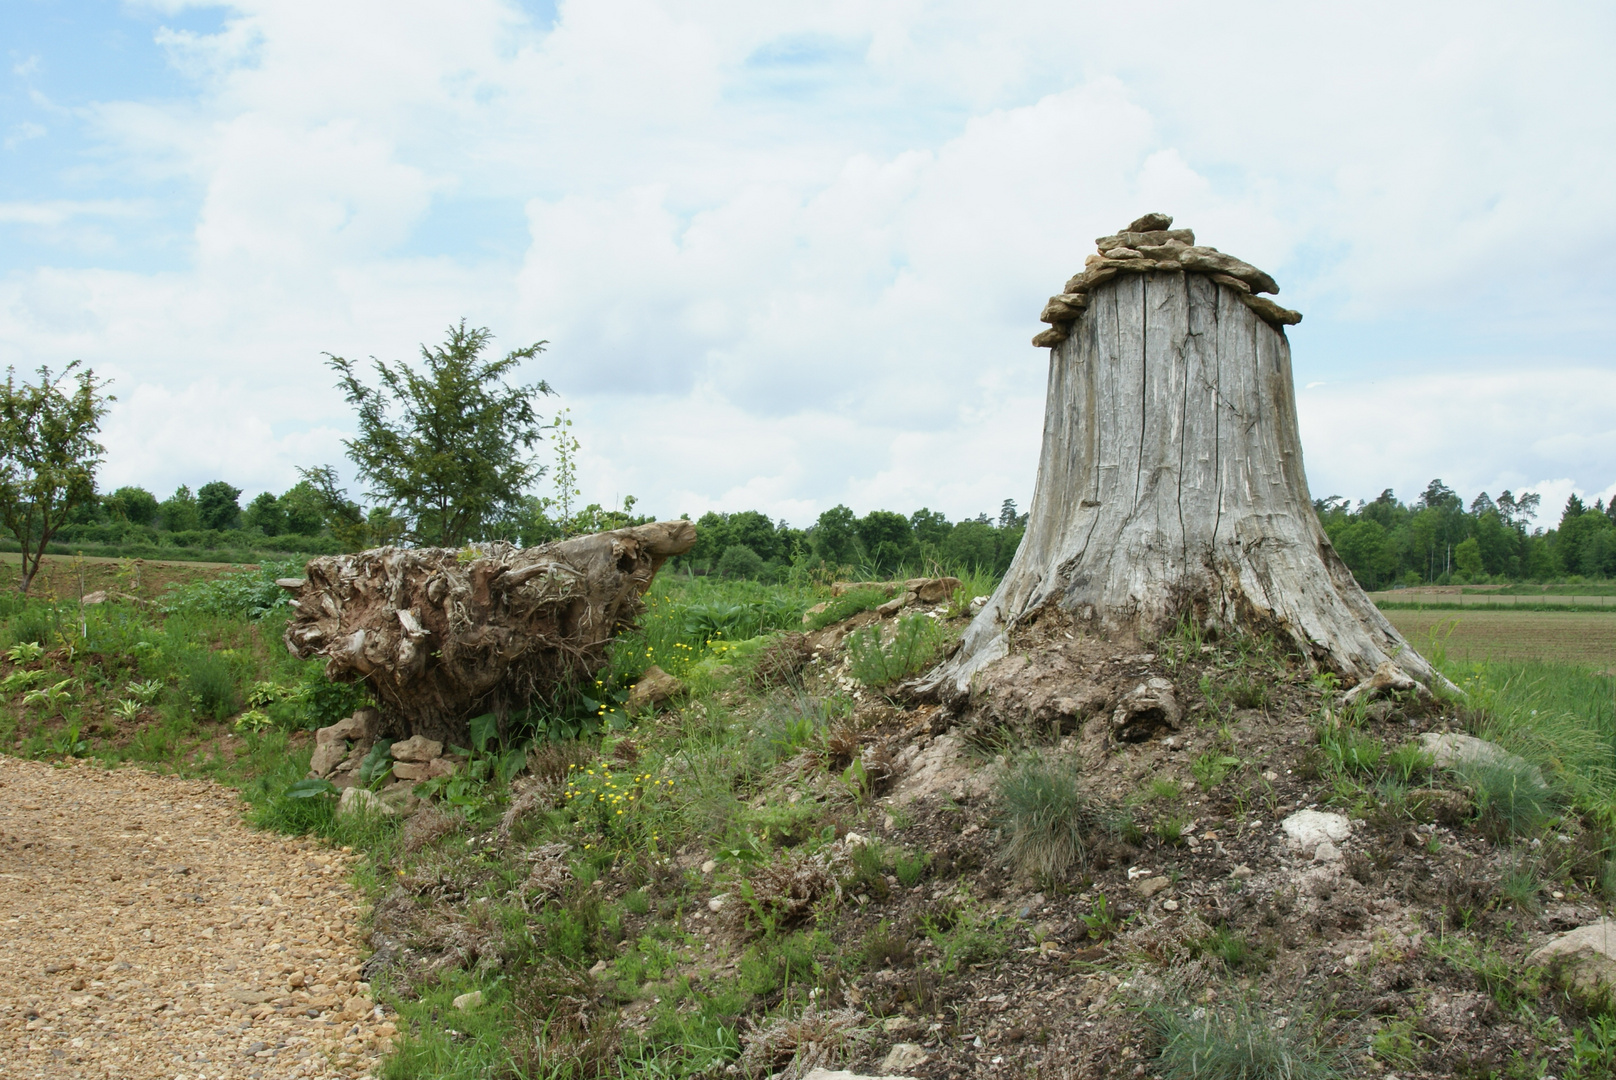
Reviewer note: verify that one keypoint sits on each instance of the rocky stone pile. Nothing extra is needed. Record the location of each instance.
(1149, 245)
(340, 750)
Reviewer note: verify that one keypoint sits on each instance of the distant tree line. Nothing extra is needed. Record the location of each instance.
(210, 517)
(749, 544)
(1438, 540)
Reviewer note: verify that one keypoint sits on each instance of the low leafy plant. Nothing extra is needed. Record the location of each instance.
(1101, 919)
(145, 692)
(1407, 761)
(1211, 768)
(128, 710)
(910, 867)
(23, 679)
(1044, 817)
(51, 698)
(25, 652)
(210, 679)
(1348, 750)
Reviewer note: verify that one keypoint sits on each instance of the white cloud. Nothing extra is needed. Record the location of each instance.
(788, 257)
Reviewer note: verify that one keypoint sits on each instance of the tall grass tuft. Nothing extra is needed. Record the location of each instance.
(1235, 1044)
(211, 681)
(1044, 816)
(1559, 717)
(1511, 798)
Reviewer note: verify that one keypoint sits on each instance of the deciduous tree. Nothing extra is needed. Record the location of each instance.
(48, 455)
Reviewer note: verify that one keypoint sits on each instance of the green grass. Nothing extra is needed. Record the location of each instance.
(1237, 1043)
(1558, 717)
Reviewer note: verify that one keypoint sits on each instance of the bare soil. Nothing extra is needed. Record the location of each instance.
(148, 932)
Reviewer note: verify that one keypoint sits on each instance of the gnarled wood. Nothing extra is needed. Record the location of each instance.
(1170, 484)
(440, 635)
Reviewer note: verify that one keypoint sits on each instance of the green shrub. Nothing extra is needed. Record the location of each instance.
(741, 562)
(1043, 815)
(914, 644)
(1235, 1044)
(910, 867)
(40, 623)
(252, 593)
(211, 681)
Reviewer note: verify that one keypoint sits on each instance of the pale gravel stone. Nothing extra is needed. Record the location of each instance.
(169, 980)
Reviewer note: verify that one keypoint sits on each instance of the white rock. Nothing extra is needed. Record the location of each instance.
(1326, 852)
(357, 800)
(417, 748)
(903, 1057)
(709, 866)
(1588, 954)
(717, 903)
(467, 1002)
(823, 1073)
(854, 840)
(1307, 829)
(977, 604)
(1453, 751)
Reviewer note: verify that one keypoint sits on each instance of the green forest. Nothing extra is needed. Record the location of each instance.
(1437, 540)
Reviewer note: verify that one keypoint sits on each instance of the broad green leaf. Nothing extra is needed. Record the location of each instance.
(309, 788)
(483, 730)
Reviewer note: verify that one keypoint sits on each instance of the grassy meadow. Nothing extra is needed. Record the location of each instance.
(591, 958)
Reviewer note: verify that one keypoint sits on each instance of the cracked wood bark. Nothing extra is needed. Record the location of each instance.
(1170, 483)
(439, 637)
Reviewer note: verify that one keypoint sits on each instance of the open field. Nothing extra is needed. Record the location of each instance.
(1554, 636)
(59, 575)
(1453, 596)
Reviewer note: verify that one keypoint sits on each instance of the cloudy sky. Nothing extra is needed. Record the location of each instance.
(790, 255)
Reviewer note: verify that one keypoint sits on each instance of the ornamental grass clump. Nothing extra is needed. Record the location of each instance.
(1236, 1044)
(1043, 816)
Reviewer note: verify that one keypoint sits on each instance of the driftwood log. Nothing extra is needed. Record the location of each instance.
(440, 635)
(1170, 480)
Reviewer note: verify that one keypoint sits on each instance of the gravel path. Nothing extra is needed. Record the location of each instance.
(146, 932)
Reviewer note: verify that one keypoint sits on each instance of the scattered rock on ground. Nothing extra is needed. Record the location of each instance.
(1453, 751)
(468, 1001)
(903, 1057)
(357, 800)
(1587, 954)
(653, 688)
(418, 748)
(1307, 830)
(823, 1073)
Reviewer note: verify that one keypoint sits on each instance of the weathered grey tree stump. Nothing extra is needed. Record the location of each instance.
(440, 635)
(1170, 481)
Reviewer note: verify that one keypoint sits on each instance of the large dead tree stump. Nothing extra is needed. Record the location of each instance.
(1170, 481)
(440, 635)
